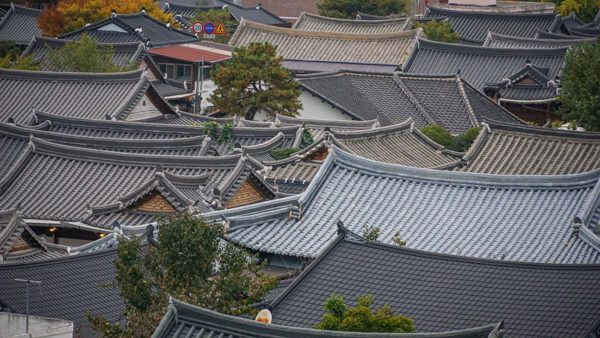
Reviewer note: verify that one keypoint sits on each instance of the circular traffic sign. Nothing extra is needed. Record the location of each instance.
(209, 28)
(197, 27)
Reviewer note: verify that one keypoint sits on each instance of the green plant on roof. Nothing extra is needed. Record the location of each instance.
(282, 153)
(211, 129)
(307, 138)
(585, 9)
(361, 318)
(370, 232)
(438, 134)
(18, 62)
(85, 55)
(439, 31)
(226, 135)
(397, 239)
(442, 136)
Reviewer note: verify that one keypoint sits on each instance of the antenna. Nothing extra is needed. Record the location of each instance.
(29, 282)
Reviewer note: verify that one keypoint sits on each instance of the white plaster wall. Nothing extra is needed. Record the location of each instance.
(314, 108)
(13, 325)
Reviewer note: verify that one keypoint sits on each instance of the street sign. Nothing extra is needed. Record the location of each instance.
(209, 28)
(220, 29)
(197, 27)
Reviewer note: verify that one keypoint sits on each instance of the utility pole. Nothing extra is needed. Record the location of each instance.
(29, 282)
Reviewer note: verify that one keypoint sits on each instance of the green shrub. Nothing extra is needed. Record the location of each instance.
(282, 153)
(438, 134)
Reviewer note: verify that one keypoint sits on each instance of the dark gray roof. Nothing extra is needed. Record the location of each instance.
(515, 218)
(505, 41)
(524, 150)
(557, 36)
(97, 96)
(481, 65)
(571, 20)
(125, 54)
(19, 25)
(154, 33)
(443, 292)
(65, 183)
(529, 84)
(472, 27)
(585, 31)
(393, 98)
(71, 286)
(185, 320)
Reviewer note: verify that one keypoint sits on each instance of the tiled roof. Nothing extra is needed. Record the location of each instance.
(19, 24)
(393, 98)
(530, 84)
(442, 292)
(288, 10)
(572, 20)
(505, 41)
(585, 31)
(190, 53)
(154, 33)
(187, 9)
(524, 150)
(313, 22)
(97, 96)
(183, 146)
(557, 36)
(124, 55)
(293, 44)
(185, 320)
(472, 27)
(104, 182)
(71, 287)
(515, 218)
(481, 65)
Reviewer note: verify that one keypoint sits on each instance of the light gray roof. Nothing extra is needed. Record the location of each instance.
(443, 292)
(185, 320)
(392, 98)
(481, 65)
(125, 54)
(515, 218)
(293, 44)
(19, 25)
(313, 22)
(506, 41)
(524, 150)
(98, 96)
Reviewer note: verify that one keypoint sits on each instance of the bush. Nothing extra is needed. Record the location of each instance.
(282, 153)
(438, 134)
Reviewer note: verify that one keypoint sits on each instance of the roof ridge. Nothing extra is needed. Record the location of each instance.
(392, 128)
(502, 37)
(503, 126)
(413, 99)
(502, 15)
(468, 49)
(304, 15)
(53, 260)
(71, 76)
(331, 123)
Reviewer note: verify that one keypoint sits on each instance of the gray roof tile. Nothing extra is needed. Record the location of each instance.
(312, 22)
(442, 292)
(515, 218)
(19, 25)
(495, 40)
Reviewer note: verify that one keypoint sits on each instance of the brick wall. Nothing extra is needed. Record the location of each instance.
(156, 203)
(247, 194)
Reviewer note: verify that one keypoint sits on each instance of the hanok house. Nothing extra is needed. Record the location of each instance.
(19, 25)
(317, 23)
(527, 77)
(192, 64)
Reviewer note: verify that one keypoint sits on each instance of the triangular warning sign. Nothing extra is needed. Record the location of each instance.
(220, 29)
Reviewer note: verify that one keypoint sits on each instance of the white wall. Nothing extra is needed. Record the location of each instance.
(314, 108)
(13, 325)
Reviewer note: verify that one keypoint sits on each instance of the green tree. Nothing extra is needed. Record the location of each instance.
(349, 8)
(254, 79)
(18, 62)
(341, 317)
(442, 136)
(439, 31)
(585, 9)
(188, 262)
(215, 16)
(580, 94)
(84, 55)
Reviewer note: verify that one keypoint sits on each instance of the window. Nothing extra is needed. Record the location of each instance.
(167, 68)
(184, 72)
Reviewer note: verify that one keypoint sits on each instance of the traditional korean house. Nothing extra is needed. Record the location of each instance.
(317, 23)
(19, 25)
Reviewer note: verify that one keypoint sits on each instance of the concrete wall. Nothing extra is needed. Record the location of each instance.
(13, 325)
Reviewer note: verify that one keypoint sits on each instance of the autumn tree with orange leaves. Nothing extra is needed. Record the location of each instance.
(70, 15)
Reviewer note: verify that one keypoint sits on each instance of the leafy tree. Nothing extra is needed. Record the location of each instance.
(215, 16)
(188, 262)
(341, 317)
(349, 8)
(18, 62)
(370, 232)
(70, 15)
(254, 79)
(580, 94)
(585, 9)
(84, 55)
(439, 31)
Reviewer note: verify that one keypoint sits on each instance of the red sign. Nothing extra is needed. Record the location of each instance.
(197, 27)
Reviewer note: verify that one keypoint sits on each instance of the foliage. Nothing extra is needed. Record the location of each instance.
(70, 15)
(219, 133)
(439, 31)
(349, 8)
(215, 16)
(19, 62)
(211, 129)
(190, 263)
(9, 48)
(370, 232)
(254, 79)
(85, 55)
(585, 9)
(307, 138)
(340, 317)
(441, 136)
(226, 135)
(282, 153)
(580, 96)
(398, 240)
